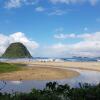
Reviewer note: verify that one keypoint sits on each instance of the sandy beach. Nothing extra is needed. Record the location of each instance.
(39, 73)
(77, 65)
(49, 70)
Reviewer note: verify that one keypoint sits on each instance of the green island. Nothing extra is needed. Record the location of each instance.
(16, 50)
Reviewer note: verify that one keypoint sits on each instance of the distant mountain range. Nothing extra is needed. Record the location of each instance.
(83, 59)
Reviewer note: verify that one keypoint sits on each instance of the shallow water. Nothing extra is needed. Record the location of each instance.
(85, 76)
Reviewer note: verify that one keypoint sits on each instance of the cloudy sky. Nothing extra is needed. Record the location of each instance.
(54, 28)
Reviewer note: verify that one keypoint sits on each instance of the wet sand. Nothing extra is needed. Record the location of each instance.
(39, 73)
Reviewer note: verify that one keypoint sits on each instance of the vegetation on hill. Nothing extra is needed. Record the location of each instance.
(54, 91)
(16, 50)
(8, 67)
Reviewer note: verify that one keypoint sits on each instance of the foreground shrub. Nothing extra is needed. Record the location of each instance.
(54, 91)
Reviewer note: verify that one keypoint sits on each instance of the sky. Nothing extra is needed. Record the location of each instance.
(52, 28)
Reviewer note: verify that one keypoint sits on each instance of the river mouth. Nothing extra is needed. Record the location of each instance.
(26, 85)
(86, 76)
(40, 73)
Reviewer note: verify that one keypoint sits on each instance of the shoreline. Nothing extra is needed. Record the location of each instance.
(49, 70)
(93, 66)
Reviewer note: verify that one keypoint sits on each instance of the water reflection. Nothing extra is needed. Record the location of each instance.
(16, 82)
(86, 76)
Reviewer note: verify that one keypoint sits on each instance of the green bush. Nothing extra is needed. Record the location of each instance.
(54, 91)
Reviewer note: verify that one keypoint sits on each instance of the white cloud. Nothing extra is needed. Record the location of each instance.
(84, 48)
(64, 36)
(66, 1)
(18, 3)
(17, 37)
(80, 36)
(13, 4)
(92, 2)
(55, 50)
(89, 45)
(40, 9)
(58, 12)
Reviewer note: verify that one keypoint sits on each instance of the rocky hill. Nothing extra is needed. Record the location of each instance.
(16, 50)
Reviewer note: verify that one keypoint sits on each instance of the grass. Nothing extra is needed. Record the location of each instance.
(9, 67)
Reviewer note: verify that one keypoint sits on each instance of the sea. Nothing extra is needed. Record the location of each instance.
(49, 59)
